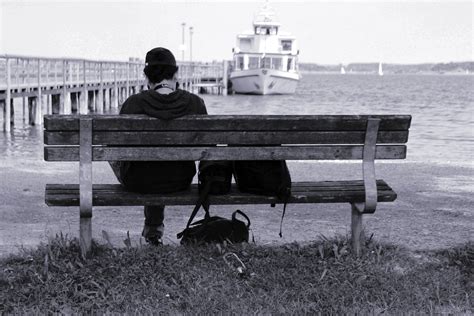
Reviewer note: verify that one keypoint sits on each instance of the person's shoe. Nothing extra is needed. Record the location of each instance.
(154, 241)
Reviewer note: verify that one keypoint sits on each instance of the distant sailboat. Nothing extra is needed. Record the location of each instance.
(380, 69)
(343, 71)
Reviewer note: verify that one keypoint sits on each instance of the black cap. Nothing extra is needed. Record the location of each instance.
(160, 56)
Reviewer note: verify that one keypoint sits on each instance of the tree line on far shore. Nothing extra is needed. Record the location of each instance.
(451, 67)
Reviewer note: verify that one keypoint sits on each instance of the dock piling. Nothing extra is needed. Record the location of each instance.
(7, 108)
(84, 95)
(32, 104)
(100, 93)
(39, 100)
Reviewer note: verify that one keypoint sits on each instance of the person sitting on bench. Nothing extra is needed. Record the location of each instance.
(165, 101)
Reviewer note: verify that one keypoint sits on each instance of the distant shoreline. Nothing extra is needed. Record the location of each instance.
(425, 73)
(451, 68)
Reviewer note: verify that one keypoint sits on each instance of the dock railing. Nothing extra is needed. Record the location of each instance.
(71, 85)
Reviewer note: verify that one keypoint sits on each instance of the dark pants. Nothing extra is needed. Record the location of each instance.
(154, 214)
(154, 221)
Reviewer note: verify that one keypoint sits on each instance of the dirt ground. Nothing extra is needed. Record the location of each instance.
(434, 208)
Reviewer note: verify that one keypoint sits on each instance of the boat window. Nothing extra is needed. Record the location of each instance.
(253, 62)
(286, 45)
(240, 62)
(268, 31)
(276, 63)
(245, 44)
(266, 62)
(257, 30)
(289, 65)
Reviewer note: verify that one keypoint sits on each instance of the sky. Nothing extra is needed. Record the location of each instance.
(328, 32)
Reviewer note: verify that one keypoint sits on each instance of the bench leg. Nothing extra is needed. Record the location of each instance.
(85, 234)
(356, 230)
(85, 183)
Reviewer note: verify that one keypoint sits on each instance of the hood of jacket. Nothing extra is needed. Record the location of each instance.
(166, 106)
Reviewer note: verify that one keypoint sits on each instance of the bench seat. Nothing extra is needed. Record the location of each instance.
(302, 192)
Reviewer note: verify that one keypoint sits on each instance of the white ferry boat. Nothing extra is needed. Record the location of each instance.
(265, 60)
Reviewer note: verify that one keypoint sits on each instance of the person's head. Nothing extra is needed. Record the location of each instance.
(160, 65)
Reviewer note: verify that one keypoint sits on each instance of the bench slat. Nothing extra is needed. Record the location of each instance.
(221, 137)
(309, 192)
(337, 152)
(231, 122)
(297, 187)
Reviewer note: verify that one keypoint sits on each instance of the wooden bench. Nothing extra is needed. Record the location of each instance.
(89, 138)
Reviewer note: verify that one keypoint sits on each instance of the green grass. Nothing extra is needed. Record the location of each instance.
(319, 277)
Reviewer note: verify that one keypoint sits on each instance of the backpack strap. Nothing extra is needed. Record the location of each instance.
(243, 215)
(286, 198)
(281, 222)
(201, 201)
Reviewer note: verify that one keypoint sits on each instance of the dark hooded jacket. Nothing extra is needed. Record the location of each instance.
(160, 176)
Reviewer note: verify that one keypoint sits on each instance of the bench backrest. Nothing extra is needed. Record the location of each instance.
(238, 137)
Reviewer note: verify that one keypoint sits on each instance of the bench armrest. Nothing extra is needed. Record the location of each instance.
(368, 167)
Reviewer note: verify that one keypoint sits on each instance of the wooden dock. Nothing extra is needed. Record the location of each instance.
(67, 85)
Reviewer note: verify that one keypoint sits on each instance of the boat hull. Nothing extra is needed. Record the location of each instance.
(264, 81)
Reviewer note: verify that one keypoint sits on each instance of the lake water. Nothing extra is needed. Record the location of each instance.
(441, 106)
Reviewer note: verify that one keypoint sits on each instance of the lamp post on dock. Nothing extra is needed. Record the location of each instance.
(191, 43)
(183, 47)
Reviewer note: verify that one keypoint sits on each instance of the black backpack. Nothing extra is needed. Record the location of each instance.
(215, 229)
(265, 177)
(216, 174)
(215, 177)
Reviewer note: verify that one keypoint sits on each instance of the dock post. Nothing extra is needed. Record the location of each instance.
(139, 79)
(39, 100)
(91, 100)
(115, 102)
(100, 94)
(66, 95)
(32, 104)
(84, 97)
(12, 112)
(7, 109)
(107, 99)
(191, 81)
(74, 102)
(24, 105)
(127, 84)
(67, 103)
(55, 103)
(113, 98)
(224, 77)
(44, 102)
(49, 108)
(95, 95)
(24, 90)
